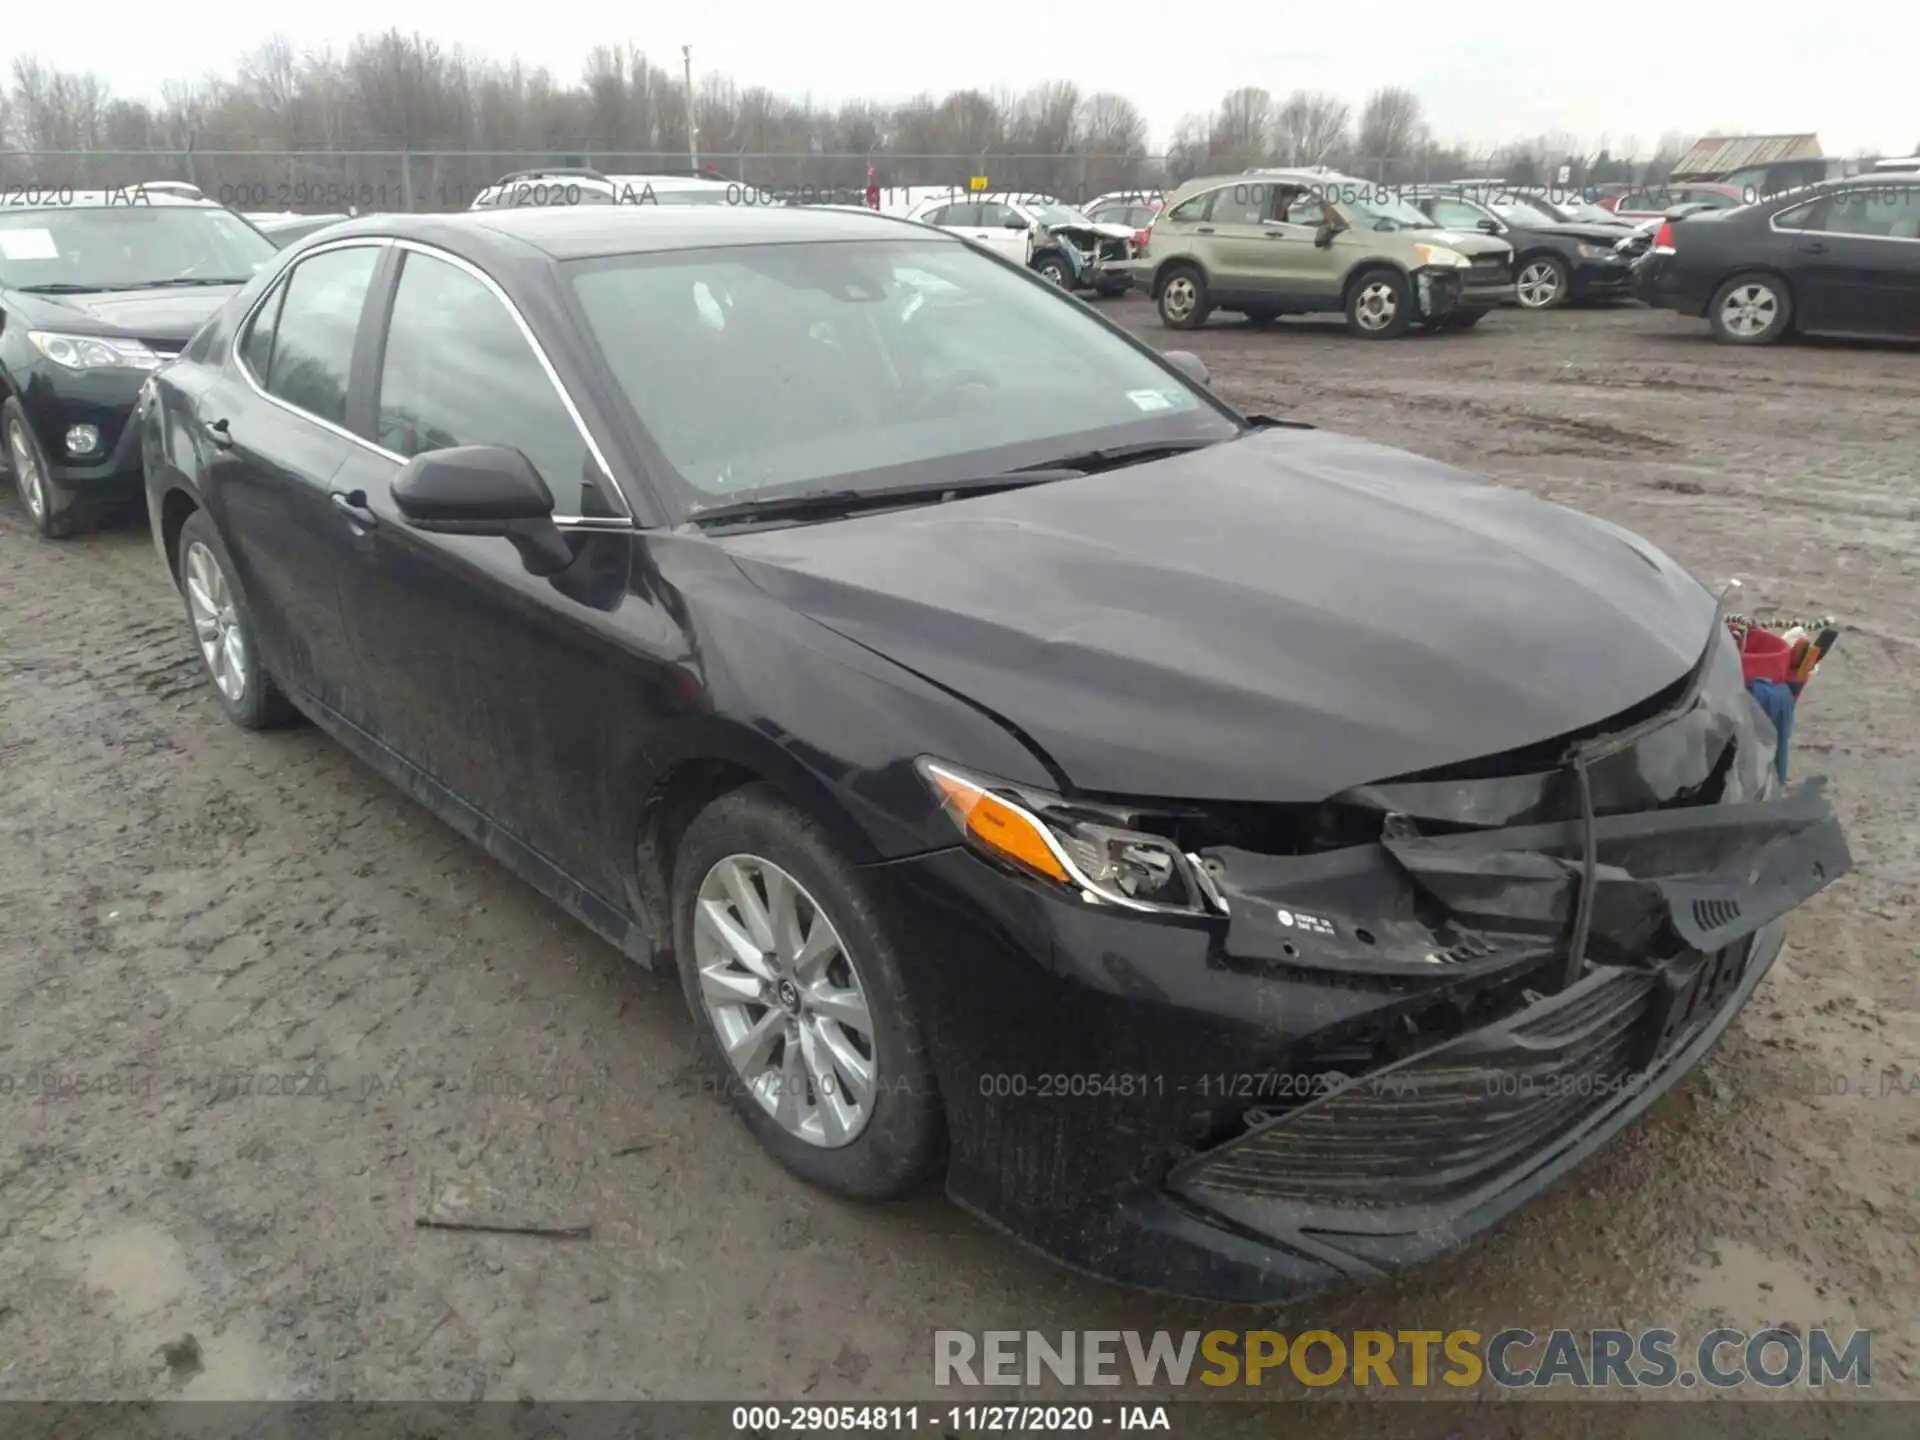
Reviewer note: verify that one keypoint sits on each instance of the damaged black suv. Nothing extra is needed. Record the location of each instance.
(1242, 859)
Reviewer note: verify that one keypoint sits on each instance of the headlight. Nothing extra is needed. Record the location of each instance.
(1593, 252)
(1440, 257)
(1050, 839)
(93, 352)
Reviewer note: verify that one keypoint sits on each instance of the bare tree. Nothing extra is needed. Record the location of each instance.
(1312, 128)
(1392, 126)
(1242, 128)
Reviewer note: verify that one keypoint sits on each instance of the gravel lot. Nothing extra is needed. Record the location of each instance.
(194, 921)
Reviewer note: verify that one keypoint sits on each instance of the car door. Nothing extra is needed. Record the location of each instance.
(1244, 262)
(275, 423)
(1856, 259)
(1004, 229)
(497, 684)
(1304, 275)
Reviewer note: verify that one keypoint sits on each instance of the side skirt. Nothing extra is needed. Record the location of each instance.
(626, 933)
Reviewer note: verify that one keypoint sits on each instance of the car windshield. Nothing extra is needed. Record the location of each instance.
(765, 370)
(1048, 214)
(1375, 209)
(1584, 211)
(114, 247)
(1517, 210)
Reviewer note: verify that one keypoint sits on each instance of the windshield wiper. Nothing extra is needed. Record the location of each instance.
(1092, 462)
(831, 504)
(191, 280)
(67, 287)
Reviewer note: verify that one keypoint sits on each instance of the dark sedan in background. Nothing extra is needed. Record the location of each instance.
(97, 289)
(1840, 259)
(1556, 261)
(1227, 903)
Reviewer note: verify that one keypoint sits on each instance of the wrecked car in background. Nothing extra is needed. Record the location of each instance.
(1243, 859)
(1056, 241)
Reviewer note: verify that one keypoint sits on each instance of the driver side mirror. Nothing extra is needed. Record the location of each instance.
(484, 490)
(1490, 227)
(1014, 222)
(1323, 237)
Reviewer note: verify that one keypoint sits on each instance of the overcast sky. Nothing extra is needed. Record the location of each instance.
(1841, 69)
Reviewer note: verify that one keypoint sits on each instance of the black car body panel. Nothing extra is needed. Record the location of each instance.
(1845, 284)
(1264, 646)
(1270, 643)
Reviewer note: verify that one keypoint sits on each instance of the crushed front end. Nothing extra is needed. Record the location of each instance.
(1094, 260)
(1412, 1008)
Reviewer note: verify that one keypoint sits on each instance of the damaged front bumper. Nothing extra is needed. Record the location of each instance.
(1094, 262)
(1376, 1054)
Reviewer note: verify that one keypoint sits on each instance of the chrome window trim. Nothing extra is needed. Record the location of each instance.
(1779, 229)
(381, 242)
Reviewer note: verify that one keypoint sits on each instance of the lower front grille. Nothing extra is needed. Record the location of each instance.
(1443, 1125)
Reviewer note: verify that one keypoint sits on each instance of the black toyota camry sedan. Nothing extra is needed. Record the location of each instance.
(97, 288)
(1238, 858)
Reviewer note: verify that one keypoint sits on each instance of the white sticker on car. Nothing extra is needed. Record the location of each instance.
(28, 245)
(1151, 399)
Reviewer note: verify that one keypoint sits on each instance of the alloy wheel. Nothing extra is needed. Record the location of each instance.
(1749, 310)
(1539, 285)
(26, 473)
(785, 1000)
(216, 623)
(1179, 298)
(1377, 306)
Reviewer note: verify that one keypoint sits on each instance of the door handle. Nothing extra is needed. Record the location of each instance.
(218, 433)
(353, 505)
(1815, 247)
(1203, 229)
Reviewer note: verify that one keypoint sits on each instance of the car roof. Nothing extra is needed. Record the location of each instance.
(577, 232)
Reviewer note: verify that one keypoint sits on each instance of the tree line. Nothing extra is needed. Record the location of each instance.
(404, 118)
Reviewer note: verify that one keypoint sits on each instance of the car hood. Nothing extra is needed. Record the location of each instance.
(168, 316)
(1105, 228)
(1278, 618)
(1592, 234)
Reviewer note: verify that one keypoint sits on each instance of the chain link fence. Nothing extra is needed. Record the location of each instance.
(328, 181)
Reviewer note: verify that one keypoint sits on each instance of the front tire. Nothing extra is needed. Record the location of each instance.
(1751, 309)
(1053, 270)
(1183, 299)
(787, 957)
(223, 631)
(55, 511)
(1544, 283)
(1379, 307)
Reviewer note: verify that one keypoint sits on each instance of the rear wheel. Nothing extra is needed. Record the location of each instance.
(1378, 305)
(787, 957)
(55, 511)
(223, 631)
(1751, 310)
(1544, 283)
(1183, 299)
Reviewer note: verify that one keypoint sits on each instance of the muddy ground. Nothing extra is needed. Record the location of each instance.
(195, 921)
